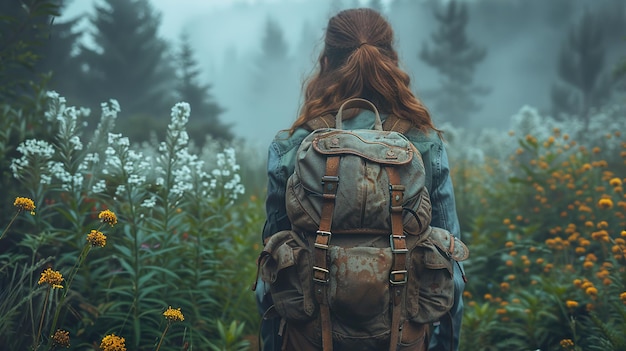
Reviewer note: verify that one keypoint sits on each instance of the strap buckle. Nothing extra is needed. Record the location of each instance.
(403, 279)
(323, 271)
(393, 237)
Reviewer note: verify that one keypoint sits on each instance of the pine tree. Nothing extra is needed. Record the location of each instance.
(129, 62)
(455, 57)
(273, 61)
(204, 111)
(59, 58)
(583, 84)
(24, 27)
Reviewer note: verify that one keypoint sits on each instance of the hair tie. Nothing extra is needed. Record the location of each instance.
(363, 43)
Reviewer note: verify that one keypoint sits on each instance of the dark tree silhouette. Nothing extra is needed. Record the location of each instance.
(129, 62)
(273, 61)
(59, 57)
(24, 27)
(583, 83)
(455, 57)
(205, 112)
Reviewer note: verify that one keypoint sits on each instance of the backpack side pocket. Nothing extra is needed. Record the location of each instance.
(430, 290)
(285, 264)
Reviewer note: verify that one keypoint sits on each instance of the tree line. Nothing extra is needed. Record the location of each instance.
(127, 60)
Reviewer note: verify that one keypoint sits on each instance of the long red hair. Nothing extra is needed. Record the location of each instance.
(359, 60)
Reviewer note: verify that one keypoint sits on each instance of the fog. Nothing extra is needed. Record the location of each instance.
(522, 43)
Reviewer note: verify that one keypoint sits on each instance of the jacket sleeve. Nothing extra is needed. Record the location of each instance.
(275, 211)
(442, 193)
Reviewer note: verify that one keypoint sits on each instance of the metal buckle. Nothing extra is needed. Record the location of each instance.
(322, 233)
(324, 271)
(327, 178)
(393, 246)
(405, 277)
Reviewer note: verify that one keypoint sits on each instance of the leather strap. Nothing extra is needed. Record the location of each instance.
(321, 272)
(397, 124)
(399, 275)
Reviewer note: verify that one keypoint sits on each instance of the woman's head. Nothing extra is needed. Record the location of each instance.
(359, 60)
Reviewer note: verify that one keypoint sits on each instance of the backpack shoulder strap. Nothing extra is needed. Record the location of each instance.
(325, 121)
(397, 124)
(392, 122)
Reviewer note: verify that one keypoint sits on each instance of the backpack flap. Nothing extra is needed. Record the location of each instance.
(388, 148)
(450, 244)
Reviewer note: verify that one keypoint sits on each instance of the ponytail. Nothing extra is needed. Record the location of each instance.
(359, 61)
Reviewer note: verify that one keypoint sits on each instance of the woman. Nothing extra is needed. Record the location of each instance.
(359, 60)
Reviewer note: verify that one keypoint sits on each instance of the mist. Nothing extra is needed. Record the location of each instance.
(522, 40)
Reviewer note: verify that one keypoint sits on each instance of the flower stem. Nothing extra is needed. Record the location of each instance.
(163, 336)
(43, 314)
(9, 225)
(70, 278)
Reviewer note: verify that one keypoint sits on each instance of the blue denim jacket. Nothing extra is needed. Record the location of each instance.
(281, 163)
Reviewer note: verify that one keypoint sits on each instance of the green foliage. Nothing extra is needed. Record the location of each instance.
(548, 246)
(184, 238)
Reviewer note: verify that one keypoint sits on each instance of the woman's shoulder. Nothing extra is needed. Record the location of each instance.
(424, 137)
(285, 140)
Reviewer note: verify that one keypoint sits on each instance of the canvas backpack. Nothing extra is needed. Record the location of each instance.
(361, 258)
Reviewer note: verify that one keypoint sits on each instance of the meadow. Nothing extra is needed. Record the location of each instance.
(115, 246)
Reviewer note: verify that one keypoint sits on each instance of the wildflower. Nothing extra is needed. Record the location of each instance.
(108, 217)
(173, 315)
(501, 311)
(53, 278)
(96, 238)
(504, 286)
(24, 204)
(113, 343)
(615, 182)
(61, 338)
(591, 291)
(509, 244)
(622, 297)
(567, 344)
(571, 304)
(605, 204)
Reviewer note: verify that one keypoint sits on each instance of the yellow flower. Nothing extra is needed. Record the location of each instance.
(567, 344)
(54, 278)
(24, 204)
(571, 304)
(108, 217)
(622, 297)
(591, 291)
(615, 182)
(96, 238)
(605, 204)
(113, 343)
(173, 315)
(61, 338)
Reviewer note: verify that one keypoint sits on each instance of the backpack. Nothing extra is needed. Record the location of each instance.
(361, 261)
